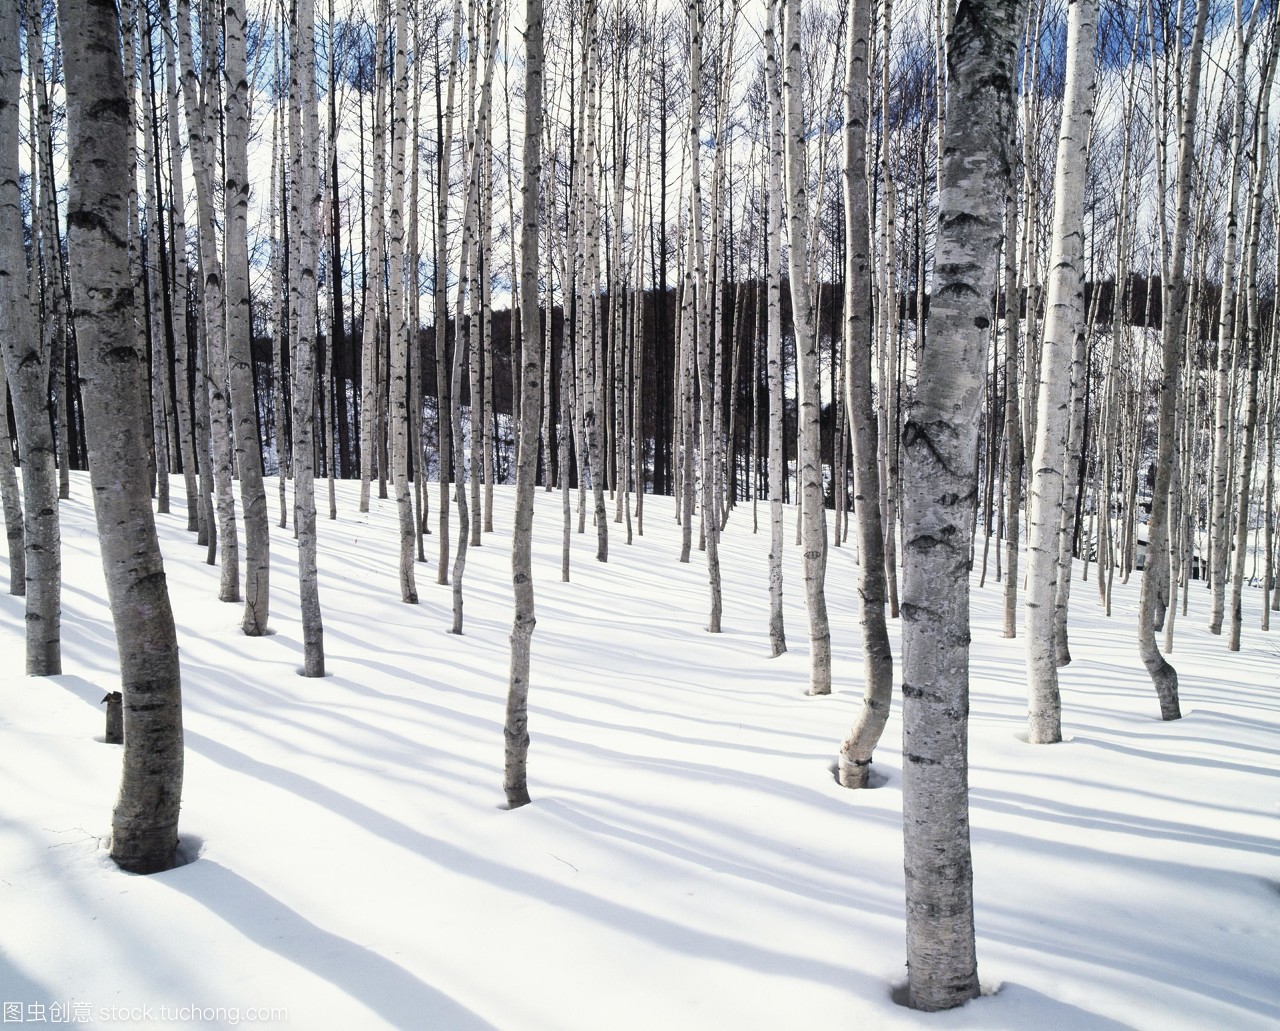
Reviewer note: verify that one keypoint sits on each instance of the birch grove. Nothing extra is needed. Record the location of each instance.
(982, 295)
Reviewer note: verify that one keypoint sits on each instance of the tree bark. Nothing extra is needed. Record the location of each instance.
(1153, 596)
(773, 357)
(940, 444)
(12, 499)
(200, 94)
(813, 513)
(877, 657)
(244, 409)
(401, 332)
(516, 728)
(304, 210)
(144, 835)
(1064, 318)
(26, 364)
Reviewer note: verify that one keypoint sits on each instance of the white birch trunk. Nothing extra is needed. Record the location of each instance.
(1253, 340)
(26, 364)
(773, 358)
(940, 442)
(11, 499)
(371, 335)
(180, 286)
(244, 415)
(200, 94)
(516, 727)
(144, 835)
(1224, 412)
(401, 332)
(304, 211)
(706, 366)
(877, 657)
(813, 515)
(1064, 318)
(1153, 595)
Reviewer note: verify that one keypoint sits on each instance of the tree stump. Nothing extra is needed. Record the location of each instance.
(115, 718)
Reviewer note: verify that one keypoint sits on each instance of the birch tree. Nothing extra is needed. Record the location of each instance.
(371, 337)
(813, 516)
(144, 832)
(179, 288)
(516, 727)
(26, 363)
(1154, 593)
(877, 658)
(401, 331)
(11, 498)
(710, 424)
(1219, 536)
(1253, 340)
(939, 441)
(200, 94)
(1051, 503)
(304, 207)
(244, 413)
(773, 280)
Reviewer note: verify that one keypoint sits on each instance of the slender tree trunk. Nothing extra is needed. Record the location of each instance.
(26, 364)
(1173, 312)
(179, 298)
(1219, 534)
(51, 250)
(1012, 415)
(304, 210)
(154, 259)
(248, 443)
(1064, 319)
(201, 95)
(371, 335)
(516, 728)
(401, 332)
(773, 287)
(877, 661)
(1253, 339)
(280, 333)
(12, 499)
(813, 503)
(706, 367)
(445, 399)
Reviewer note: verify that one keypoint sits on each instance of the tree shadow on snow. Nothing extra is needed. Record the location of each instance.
(387, 988)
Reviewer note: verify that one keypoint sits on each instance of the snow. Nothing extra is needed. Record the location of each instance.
(688, 861)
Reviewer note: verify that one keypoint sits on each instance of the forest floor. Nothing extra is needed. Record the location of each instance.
(688, 861)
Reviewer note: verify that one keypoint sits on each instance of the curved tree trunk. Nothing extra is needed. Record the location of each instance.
(877, 657)
(144, 835)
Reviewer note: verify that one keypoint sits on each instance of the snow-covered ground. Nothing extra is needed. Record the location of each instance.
(688, 861)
